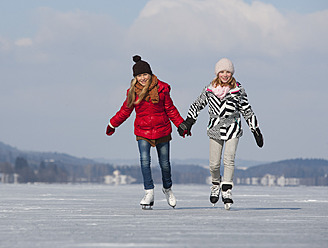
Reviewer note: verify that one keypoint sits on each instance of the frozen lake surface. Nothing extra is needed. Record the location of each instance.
(110, 216)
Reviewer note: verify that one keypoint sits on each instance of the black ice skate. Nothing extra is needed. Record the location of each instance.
(147, 201)
(215, 193)
(227, 195)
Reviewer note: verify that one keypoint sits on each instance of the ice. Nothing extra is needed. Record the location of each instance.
(110, 216)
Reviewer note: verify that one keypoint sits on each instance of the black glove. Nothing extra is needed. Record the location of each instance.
(185, 127)
(258, 136)
(190, 122)
(182, 130)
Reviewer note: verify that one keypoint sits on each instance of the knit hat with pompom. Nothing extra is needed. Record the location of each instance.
(140, 66)
(224, 65)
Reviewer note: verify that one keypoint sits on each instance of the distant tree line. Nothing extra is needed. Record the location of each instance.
(58, 172)
(298, 168)
(310, 172)
(46, 172)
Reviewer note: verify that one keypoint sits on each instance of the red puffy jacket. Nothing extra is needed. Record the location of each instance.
(152, 119)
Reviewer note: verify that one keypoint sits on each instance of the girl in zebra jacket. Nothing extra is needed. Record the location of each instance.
(227, 99)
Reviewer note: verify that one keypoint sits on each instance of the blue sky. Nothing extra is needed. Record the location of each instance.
(65, 67)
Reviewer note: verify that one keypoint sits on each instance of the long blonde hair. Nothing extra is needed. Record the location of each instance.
(131, 99)
(231, 83)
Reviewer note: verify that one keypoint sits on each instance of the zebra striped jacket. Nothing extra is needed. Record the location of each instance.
(224, 122)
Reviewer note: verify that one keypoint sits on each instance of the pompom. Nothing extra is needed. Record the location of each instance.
(136, 58)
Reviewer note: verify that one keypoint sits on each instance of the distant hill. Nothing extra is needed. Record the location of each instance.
(299, 168)
(72, 169)
(9, 154)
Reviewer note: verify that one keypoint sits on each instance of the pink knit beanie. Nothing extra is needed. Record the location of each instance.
(224, 65)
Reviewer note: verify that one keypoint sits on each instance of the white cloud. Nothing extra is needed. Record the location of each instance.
(24, 42)
(220, 25)
(309, 31)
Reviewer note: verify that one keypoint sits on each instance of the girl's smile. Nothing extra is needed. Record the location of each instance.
(143, 78)
(225, 76)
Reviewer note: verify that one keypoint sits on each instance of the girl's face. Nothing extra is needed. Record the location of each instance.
(225, 76)
(143, 78)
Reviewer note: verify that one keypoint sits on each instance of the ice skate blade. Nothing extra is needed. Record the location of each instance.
(146, 207)
(227, 206)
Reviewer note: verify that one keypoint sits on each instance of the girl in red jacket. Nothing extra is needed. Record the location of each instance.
(154, 108)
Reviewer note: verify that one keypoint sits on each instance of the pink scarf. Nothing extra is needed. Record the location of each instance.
(220, 91)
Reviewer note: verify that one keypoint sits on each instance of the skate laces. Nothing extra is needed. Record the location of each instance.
(215, 190)
(227, 194)
(169, 193)
(148, 194)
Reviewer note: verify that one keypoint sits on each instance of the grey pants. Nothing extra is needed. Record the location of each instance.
(229, 155)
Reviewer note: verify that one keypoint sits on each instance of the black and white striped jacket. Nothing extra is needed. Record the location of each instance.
(224, 122)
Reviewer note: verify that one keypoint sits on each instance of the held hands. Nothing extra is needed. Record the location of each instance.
(110, 130)
(185, 127)
(182, 130)
(258, 136)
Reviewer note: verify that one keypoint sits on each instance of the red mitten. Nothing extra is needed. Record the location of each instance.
(110, 130)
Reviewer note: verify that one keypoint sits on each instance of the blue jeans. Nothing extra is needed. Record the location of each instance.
(163, 152)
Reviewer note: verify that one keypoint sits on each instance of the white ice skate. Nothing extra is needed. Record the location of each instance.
(227, 199)
(147, 201)
(170, 197)
(227, 196)
(215, 193)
